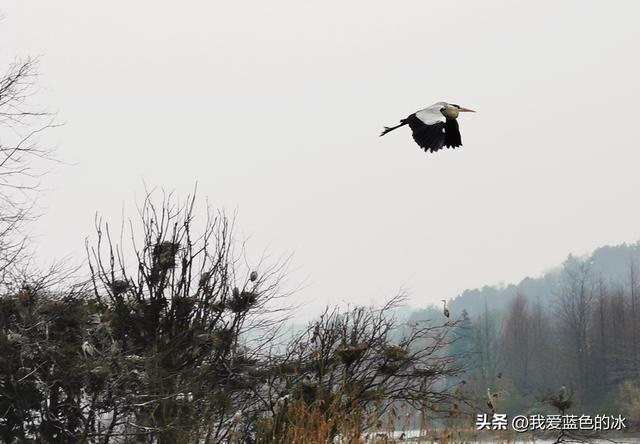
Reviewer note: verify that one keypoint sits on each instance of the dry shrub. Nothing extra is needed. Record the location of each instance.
(297, 422)
(350, 354)
(629, 396)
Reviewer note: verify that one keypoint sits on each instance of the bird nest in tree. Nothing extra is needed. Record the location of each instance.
(98, 376)
(223, 339)
(217, 306)
(372, 395)
(395, 357)
(204, 279)
(425, 372)
(244, 361)
(348, 354)
(25, 295)
(308, 391)
(185, 301)
(119, 286)
(240, 383)
(241, 301)
(390, 368)
(395, 353)
(164, 254)
(287, 368)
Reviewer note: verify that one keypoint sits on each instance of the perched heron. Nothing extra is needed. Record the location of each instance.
(491, 398)
(562, 393)
(562, 401)
(445, 311)
(435, 126)
(88, 349)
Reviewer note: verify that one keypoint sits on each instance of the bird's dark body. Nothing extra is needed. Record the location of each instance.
(435, 136)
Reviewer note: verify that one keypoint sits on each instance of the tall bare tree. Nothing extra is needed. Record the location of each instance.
(187, 317)
(574, 317)
(21, 156)
(519, 350)
(487, 350)
(633, 298)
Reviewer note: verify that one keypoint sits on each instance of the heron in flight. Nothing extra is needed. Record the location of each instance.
(435, 126)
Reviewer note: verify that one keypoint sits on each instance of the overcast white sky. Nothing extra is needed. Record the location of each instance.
(275, 109)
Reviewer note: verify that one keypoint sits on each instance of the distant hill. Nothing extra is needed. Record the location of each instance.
(611, 263)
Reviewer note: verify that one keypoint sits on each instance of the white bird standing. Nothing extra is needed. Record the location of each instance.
(445, 311)
(88, 349)
(491, 401)
(435, 126)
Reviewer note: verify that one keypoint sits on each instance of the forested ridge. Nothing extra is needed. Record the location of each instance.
(576, 325)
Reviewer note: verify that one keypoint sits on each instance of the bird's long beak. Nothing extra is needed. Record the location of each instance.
(466, 110)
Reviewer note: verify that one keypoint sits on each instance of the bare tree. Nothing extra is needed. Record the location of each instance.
(601, 352)
(187, 317)
(633, 296)
(574, 317)
(519, 350)
(487, 350)
(21, 156)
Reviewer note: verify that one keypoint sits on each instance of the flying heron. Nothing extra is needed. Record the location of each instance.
(435, 126)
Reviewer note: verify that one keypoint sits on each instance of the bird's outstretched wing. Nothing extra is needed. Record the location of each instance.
(430, 137)
(452, 138)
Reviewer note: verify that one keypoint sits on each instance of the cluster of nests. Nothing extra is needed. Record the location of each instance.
(238, 302)
(241, 301)
(394, 356)
(163, 256)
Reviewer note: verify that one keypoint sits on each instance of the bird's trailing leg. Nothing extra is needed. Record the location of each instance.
(387, 129)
